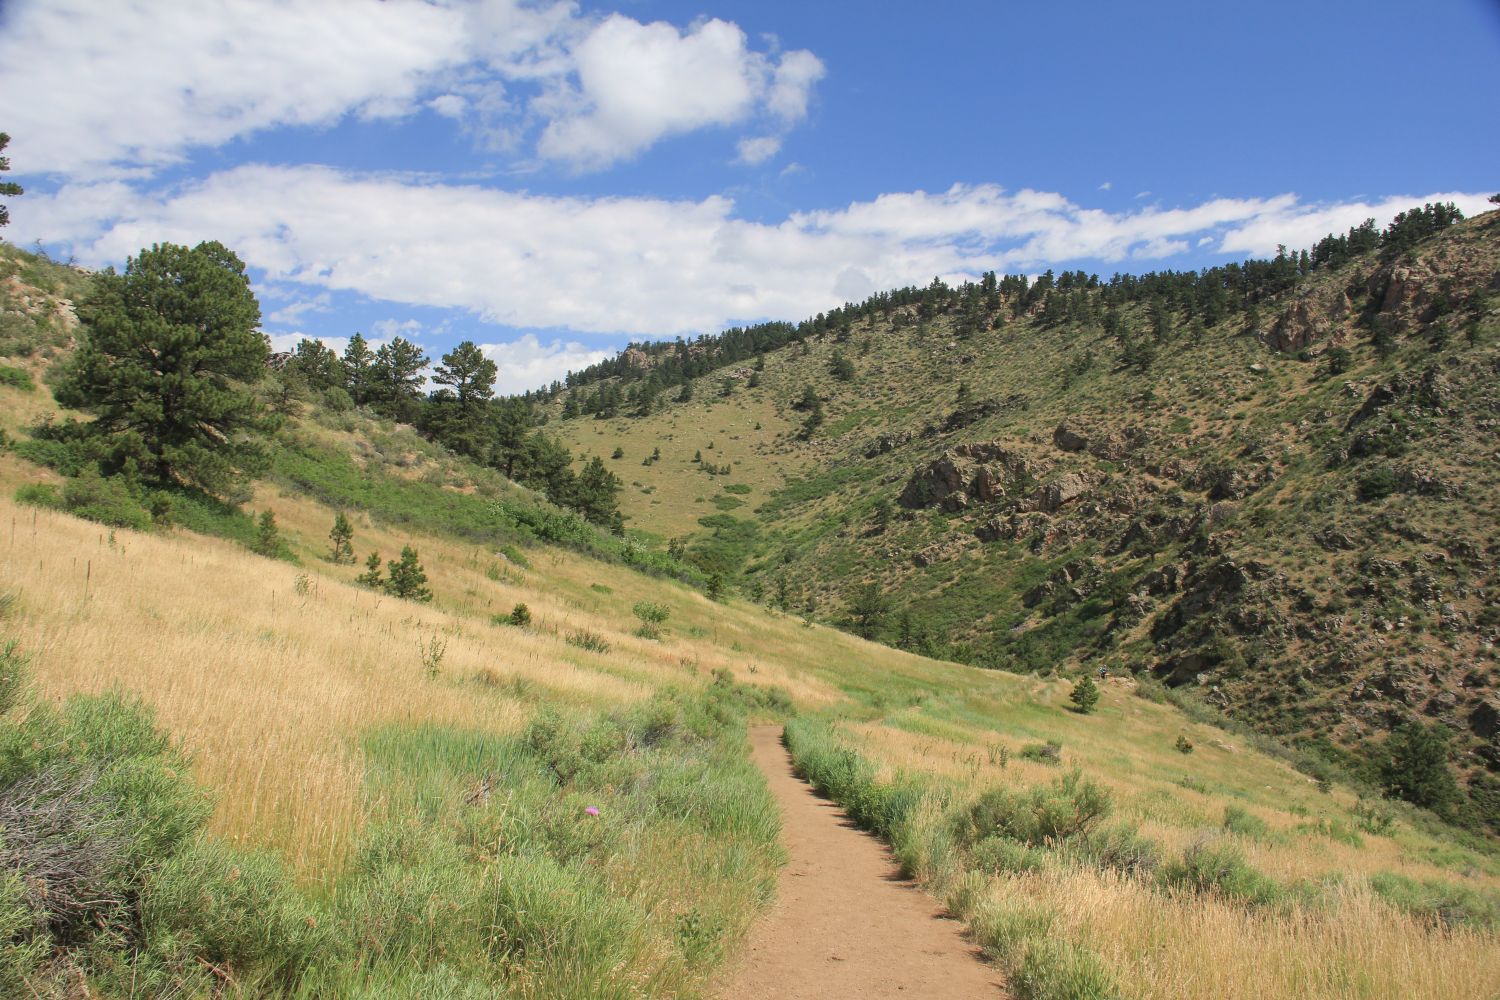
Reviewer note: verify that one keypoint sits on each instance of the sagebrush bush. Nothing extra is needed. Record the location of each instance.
(1210, 866)
(1039, 815)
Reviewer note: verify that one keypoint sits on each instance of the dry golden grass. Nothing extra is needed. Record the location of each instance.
(1186, 947)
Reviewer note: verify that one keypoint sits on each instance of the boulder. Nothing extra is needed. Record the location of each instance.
(1055, 494)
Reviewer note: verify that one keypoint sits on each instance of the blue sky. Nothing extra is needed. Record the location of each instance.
(554, 179)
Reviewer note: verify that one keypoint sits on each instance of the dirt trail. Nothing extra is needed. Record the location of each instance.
(845, 924)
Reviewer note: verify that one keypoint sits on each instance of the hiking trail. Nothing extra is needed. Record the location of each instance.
(845, 923)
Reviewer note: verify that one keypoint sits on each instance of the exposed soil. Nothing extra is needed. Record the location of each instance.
(845, 923)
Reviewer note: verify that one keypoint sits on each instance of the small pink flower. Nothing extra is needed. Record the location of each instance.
(592, 810)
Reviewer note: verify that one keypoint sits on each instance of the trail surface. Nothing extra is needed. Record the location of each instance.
(845, 923)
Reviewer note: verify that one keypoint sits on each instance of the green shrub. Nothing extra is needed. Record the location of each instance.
(1043, 753)
(652, 615)
(1214, 867)
(60, 455)
(1246, 824)
(1120, 849)
(584, 639)
(236, 910)
(1085, 695)
(1442, 903)
(1040, 815)
(995, 854)
(108, 501)
(39, 495)
(17, 378)
(1057, 969)
(520, 615)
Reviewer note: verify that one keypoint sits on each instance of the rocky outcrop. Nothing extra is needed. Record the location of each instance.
(1109, 446)
(1054, 495)
(970, 473)
(1308, 320)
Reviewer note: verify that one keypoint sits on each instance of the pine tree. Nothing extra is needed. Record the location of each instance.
(356, 363)
(371, 576)
(1085, 695)
(9, 189)
(170, 348)
(1417, 768)
(407, 579)
(267, 537)
(868, 610)
(342, 538)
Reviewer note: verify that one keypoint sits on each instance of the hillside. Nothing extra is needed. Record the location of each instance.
(1281, 498)
(371, 796)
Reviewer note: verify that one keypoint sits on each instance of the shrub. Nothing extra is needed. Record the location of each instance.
(584, 639)
(520, 615)
(1057, 969)
(1039, 815)
(1440, 902)
(236, 910)
(1246, 824)
(107, 501)
(1378, 483)
(996, 854)
(17, 378)
(39, 495)
(1207, 866)
(1183, 744)
(1374, 817)
(652, 615)
(1085, 695)
(1043, 753)
(1120, 849)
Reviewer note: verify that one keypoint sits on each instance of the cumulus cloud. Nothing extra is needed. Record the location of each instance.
(758, 149)
(125, 89)
(637, 83)
(643, 266)
(526, 363)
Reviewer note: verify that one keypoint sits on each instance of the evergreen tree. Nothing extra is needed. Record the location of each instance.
(356, 363)
(396, 379)
(342, 538)
(597, 493)
(468, 373)
(407, 580)
(267, 537)
(840, 367)
(1085, 695)
(8, 189)
(371, 576)
(868, 610)
(318, 365)
(169, 347)
(1417, 768)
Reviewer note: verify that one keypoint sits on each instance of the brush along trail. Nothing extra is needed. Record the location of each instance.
(845, 923)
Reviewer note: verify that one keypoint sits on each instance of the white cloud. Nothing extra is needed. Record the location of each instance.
(637, 83)
(292, 313)
(121, 85)
(1106, 185)
(758, 150)
(641, 266)
(123, 89)
(526, 363)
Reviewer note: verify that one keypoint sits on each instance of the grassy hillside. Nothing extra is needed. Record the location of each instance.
(1289, 510)
(398, 794)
